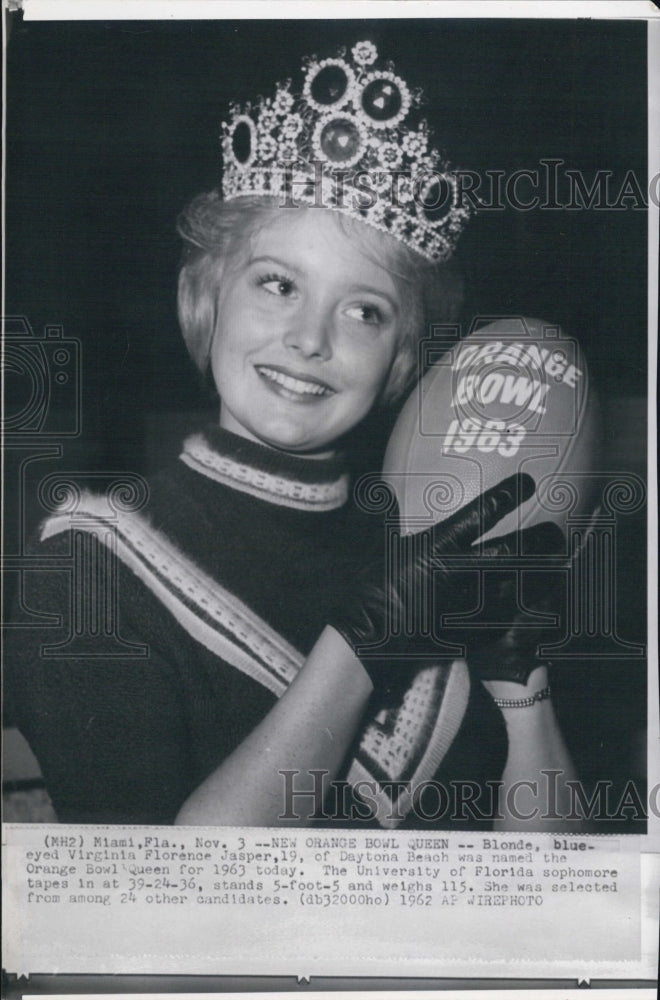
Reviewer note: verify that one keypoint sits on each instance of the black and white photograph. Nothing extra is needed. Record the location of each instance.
(326, 506)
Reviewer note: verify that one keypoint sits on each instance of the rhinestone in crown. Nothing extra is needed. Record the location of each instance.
(349, 141)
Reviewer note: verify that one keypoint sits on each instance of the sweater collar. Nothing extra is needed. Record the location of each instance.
(272, 475)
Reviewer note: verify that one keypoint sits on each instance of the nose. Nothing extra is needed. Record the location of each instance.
(310, 334)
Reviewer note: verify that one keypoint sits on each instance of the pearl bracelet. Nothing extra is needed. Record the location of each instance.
(523, 702)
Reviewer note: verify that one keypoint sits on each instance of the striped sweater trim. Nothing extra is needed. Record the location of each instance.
(262, 484)
(207, 611)
(415, 737)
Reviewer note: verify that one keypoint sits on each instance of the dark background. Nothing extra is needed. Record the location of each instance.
(112, 127)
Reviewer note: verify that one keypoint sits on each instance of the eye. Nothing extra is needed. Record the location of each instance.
(276, 284)
(366, 312)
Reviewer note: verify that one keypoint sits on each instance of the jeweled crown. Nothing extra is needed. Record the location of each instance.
(350, 140)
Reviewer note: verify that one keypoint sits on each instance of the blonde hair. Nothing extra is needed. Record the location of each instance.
(214, 231)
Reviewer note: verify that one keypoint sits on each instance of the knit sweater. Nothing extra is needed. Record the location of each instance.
(170, 631)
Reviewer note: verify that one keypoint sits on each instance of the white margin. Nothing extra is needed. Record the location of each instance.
(127, 10)
(653, 741)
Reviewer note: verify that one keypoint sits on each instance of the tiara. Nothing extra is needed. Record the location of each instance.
(350, 140)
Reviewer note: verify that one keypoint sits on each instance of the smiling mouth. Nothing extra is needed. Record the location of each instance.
(300, 390)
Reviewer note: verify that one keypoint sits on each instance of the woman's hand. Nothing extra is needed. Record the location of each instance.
(404, 600)
(535, 793)
(513, 655)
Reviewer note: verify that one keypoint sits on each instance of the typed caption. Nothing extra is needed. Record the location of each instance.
(135, 899)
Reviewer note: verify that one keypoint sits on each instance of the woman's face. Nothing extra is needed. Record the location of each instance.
(306, 334)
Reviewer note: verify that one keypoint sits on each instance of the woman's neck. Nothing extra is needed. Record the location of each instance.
(229, 423)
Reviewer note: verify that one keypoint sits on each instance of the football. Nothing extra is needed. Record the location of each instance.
(513, 396)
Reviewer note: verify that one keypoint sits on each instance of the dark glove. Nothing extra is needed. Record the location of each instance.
(406, 596)
(540, 597)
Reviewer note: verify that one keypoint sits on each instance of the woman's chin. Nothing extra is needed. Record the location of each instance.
(300, 446)
(292, 440)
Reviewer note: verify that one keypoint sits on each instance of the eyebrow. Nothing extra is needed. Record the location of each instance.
(352, 289)
(269, 259)
(370, 290)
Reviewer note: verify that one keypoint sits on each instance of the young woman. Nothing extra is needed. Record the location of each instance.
(246, 670)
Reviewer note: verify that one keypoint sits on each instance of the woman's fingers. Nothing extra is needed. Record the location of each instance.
(481, 514)
(546, 539)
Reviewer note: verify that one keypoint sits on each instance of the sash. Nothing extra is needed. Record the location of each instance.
(399, 748)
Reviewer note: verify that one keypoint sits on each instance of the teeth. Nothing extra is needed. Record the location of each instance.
(293, 384)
